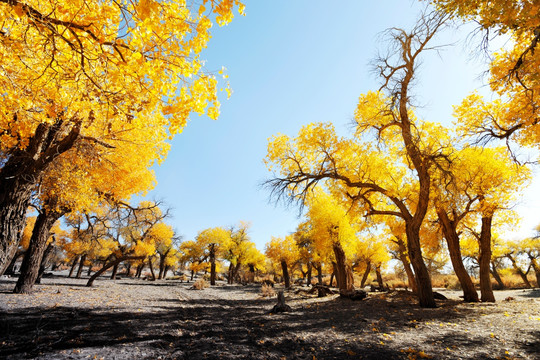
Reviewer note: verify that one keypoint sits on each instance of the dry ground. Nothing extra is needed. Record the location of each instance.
(136, 319)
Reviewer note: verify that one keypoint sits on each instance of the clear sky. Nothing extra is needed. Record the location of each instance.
(292, 62)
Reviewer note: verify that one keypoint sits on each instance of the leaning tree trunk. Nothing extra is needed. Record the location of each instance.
(496, 276)
(285, 271)
(10, 270)
(454, 248)
(519, 271)
(81, 265)
(73, 265)
(406, 264)
(44, 261)
(151, 266)
(484, 260)
(344, 276)
(36, 247)
(19, 176)
(109, 265)
(366, 274)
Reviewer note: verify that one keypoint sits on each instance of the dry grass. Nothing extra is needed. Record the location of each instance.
(267, 291)
(200, 284)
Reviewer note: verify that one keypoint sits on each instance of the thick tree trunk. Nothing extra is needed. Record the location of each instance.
(251, 273)
(496, 276)
(19, 176)
(519, 271)
(44, 261)
(89, 271)
(406, 265)
(423, 280)
(309, 268)
(36, 248)
(454, 248)
(81, 264)
(345, 280)
(285, 271)
(128, 269)
(484, 260)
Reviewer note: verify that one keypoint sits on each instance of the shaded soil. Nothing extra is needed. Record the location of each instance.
(136, 319)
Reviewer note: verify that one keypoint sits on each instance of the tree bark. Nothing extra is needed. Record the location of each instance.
(285, 271)
(421, 274)
(496, 276)
(379, 276)
(519, 271)
(19, 176)
(449, 228)
(44, 261)
(114, 271)
(309, 268)
(366, 274)
(81, 264)
(406, 265)
(345, 280)
(212, 267)
(73, 265)
(151, 266)
(38, 242)
(319, 273)
(536, 269)
(10, 270)
(486, 290)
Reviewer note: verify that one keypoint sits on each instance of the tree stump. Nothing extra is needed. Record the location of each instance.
(280, 306)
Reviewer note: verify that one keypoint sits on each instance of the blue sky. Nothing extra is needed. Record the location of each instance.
(291, 63)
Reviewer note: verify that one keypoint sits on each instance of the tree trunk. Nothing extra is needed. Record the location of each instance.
(128, 269)
(36, 248)
(379, 276)
(421, 274)
(319, 273)
(10, 270)
(19, 176)
(151, 266)
(343, 270)
(251, 273)
(366, 274)
(519, 271)
(44, 261)
(484, 260)
(109, 265)
(81, 264)
(454, 248)
(230, 274)
(114, 271)
(309, 268)
(212, 268)
(536, 268)
(406, 265)
(285, 271)
(73, 265)
(89, 271)
(496, 276)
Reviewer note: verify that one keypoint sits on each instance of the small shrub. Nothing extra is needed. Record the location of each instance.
(267, 291)
(200, 284)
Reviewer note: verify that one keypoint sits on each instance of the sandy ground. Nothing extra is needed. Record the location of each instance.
(136, 319)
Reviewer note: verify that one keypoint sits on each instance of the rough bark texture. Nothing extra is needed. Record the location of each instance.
(19, 176)
(536, 269)
(286, 276)
(423, 280)
(319, 273)
(344, 277)
(212, 268)
(484, 260)
(449, 228)
(44, 261)
(406, 265)
(36, 248)
(81, 265)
